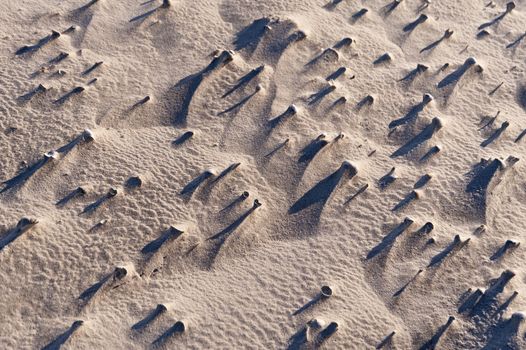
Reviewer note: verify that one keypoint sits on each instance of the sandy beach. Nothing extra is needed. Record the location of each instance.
(262, 174)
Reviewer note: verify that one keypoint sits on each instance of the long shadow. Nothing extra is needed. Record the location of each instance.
(28, 96)
(241, 198)
(420, 68)
(413, 113)
(311, 150)
(315, 300)
(457, 74)
(388, 240)
(250, 36)
(345, 42)
(412, 26)
(320, 95)
(277, 148)
(488, 299)
(502, 308)
(355, 195)
(509, 7)
(481, 175)
(386, 341)
(411, 196)
(328, 55)
(447, 34)
(470, 301)
(32, 48)
(503, 334)
(516, 41)
(117, 275)
(79, 191)
(359, 14)
(75, 91)
(239, 104)
(422, 181)
(143, 16)
(220, 238)
(508, 245)
(233, 226)
(454, 246)
(521, 97)
(171, 234)
(404, 287)
(389, 8)
(521, 136)
(84, 137)
(57, 343)
(21, 178)
(95, 205)
(323, 190)
(92, 68)
(244, 80)
(386, 57)
(177, 328)
(155, 313)
(21, 227)
(495, 134)
(85, 7)
(419, 139)
(92, 290)
(225, 172)
(430, 153)
(291, 110)
(190, 188)
(336, 74)
(185, 89)
(282, 39)
(59, 58)
(433, 342)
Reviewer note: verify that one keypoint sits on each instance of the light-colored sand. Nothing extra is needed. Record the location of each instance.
(242, 293)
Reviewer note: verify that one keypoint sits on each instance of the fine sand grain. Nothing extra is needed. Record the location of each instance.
(189, 174)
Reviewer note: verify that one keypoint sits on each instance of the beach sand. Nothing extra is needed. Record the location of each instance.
(239, 274)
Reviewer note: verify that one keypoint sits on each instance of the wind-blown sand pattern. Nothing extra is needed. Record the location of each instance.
(262, 174)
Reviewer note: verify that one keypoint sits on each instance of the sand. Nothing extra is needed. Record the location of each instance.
(238, 277)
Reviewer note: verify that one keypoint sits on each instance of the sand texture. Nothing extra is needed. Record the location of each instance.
(189, 176)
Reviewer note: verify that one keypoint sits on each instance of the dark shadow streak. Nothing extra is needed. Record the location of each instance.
(495, 135)
(455, 245)
(177, 328)
(21, 227)
(57, 343)
(75, 91)
(79, 191)
(422, 137)
(186, 88)
(388, 240)
(433, 342)
(171, 234)
(158, 311)
(245, 80)
(32, 48)
(457, 74)
(190, 188)
(413, 113)
(323, 190)
(239, 104)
